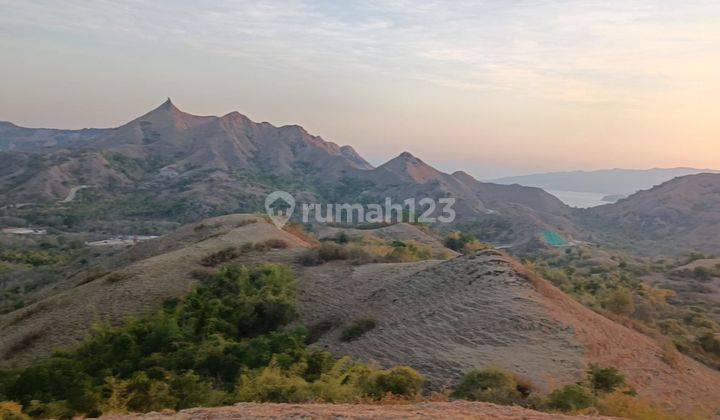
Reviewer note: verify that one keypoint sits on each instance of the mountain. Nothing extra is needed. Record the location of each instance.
(606, 181)
(675, 217)
(168, 165)
(17, 138)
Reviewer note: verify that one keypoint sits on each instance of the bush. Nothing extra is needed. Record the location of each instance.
(628, 407)
(710, 343)
(702, 273)
(620, 302)
(11, 411)
(271, 384)
(400, 381)
(489, 385)
(670, 353)
(457, 240)
(330, 252)
(570, 398)
(220, 257)
(357, 328)
(341, 237)
(273, 243)
(327, 251)
(310, 258)
(606, 379)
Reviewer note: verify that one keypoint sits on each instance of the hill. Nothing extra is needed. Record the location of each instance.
(442, 318)
(675, 217)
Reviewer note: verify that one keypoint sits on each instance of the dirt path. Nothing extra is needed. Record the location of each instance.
(73, 192)
(436, 410)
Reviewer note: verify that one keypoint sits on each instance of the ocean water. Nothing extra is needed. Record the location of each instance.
(579, 199)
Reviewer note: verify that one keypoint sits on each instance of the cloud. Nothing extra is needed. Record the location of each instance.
(576, 51)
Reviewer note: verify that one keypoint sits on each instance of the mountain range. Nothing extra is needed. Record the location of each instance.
(171, 165)
(168, 167)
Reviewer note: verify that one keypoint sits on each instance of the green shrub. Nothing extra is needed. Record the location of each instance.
(341, 237)
(400, 381)
(272, 384)
(490, 385)
(457, 240)
(357, 328)
(710, 343)
(702, 273)
(605, 379)
(570, 398)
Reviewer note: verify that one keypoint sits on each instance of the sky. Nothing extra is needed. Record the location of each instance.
(495, 87)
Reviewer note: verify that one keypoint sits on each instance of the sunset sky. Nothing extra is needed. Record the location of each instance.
(493, 87)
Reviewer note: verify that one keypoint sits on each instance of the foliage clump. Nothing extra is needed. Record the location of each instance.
(464, 243)
(358, 328)
(489, 385)
(571, 397)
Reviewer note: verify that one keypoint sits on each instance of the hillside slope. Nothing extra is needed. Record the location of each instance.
(677, 216)
(442, 318)
(445, 318)
(136, 282)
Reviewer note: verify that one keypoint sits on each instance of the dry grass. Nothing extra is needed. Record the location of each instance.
(298, 230)
(619, 404)
(387, 409)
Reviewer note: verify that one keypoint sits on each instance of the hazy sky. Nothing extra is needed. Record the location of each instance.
(495, 87)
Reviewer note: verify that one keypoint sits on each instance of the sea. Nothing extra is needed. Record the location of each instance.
(579, 199)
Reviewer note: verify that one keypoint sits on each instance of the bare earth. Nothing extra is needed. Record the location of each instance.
(434, 410)
(442, 318)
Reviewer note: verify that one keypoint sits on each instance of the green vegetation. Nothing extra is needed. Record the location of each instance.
(572, 397)
(139, 213)
(605, 379)
(675, 311)
(464, 243)
(491, 228)
(357, 328)
(603, 391)
(136, 168)
(230, 253)
(30, 263)
(220, 344)
(491, 385)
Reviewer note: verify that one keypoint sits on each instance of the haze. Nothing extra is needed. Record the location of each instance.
(493, 87)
